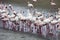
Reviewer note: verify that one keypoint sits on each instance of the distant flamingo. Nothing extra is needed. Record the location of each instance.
(52, 2)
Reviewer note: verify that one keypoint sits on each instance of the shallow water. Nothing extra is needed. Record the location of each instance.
(10, 35)
(39, 3)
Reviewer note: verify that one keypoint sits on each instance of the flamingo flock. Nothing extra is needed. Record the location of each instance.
(37, 24)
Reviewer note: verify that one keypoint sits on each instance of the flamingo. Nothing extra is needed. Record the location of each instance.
(47, 20)
(30, 5)
(10, 6)
(52, 2)
(14, 11)
(58, 10)
(34, 0)
(54, 21)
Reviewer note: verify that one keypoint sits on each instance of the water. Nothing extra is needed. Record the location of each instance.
(39, 3)
(10, 35)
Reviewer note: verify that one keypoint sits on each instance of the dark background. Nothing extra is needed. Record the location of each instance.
(39, 3)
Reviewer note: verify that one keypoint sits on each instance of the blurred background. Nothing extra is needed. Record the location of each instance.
(38, 4)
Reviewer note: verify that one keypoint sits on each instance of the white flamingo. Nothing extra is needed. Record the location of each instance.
(30, 5)
(59, 11)
(11, 7)
(34, 0)
(52, 2)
